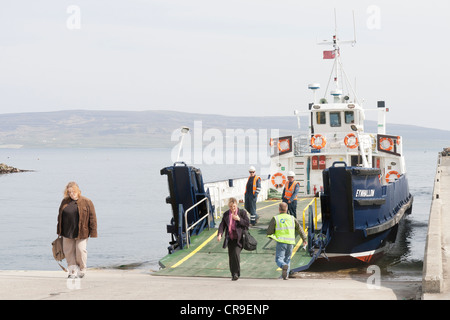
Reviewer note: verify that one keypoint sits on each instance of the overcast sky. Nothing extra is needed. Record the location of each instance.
(230, 57)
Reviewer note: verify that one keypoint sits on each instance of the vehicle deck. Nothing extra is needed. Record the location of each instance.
(206, 258)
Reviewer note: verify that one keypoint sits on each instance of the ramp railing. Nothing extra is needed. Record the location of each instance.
(309, 208)
(188, 240)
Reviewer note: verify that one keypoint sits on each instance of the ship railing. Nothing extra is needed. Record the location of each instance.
(334, 145)
(187, 229)
(310, 208)
(301, 144)
(222, 191)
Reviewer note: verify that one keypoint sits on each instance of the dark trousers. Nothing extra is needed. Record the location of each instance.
(292, 207)
(234, 257)
(250, 206)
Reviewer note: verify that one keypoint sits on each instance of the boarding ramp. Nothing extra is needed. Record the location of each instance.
(206, 257)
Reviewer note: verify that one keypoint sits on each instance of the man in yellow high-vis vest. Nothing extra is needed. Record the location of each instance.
(282, 229)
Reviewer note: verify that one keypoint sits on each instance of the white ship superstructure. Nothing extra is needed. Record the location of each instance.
(336, 133)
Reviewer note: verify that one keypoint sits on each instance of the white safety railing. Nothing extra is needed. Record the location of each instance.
(198, 221)
(221, 191)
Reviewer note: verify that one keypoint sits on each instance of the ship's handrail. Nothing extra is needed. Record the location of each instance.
(198, 221)
(315, 213)
(221, 191)
(336, 143)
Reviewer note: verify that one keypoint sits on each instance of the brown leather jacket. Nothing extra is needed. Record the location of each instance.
(87, 226)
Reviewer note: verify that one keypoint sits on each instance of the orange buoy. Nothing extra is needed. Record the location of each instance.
(351, 141)
(388, 175)
(278, 180)
(318, 141)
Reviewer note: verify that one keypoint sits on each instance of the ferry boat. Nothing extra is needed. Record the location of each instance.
(359, 177)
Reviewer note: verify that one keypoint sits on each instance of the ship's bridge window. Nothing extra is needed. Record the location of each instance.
(335, 119)
(349, 117)
(320, 117)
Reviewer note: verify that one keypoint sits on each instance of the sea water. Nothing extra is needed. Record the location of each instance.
(129, 194)
(125, 186)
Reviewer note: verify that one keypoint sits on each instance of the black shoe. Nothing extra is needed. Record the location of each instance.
(235, 277)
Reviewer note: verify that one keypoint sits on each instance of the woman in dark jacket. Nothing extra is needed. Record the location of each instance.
(234, 222)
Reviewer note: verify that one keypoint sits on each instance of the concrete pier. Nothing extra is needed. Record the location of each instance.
(436, 278)
(102, 284)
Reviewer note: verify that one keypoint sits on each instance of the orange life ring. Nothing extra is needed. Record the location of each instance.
(389, 147)
(283, 145)
(283, 180)
(351, 141)
(318, 137)
(391, 173)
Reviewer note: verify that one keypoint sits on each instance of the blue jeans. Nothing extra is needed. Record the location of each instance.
(283, 254)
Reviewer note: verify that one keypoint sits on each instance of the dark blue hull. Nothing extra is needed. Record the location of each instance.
(360, 216)
(355, 246)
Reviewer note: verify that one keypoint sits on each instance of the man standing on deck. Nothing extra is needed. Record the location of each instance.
(251, 194)
(290, 192)
(282, 229)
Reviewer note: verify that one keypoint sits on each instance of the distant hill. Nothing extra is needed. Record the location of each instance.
(82, 128)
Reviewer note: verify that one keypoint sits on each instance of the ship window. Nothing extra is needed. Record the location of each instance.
(320, 117)
(349, 117)
(335, 119)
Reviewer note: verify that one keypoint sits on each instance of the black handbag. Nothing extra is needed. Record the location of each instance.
(250, 243)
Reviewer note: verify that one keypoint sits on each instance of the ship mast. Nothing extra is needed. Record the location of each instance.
(337, 65)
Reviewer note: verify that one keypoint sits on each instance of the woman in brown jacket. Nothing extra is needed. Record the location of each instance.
(233, 223)
(76, 223)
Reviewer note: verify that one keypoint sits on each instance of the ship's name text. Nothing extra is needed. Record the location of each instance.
(363, 193)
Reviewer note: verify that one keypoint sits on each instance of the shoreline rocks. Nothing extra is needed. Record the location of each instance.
(8, 169)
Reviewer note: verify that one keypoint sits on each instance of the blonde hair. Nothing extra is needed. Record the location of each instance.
(232, 200)
(74, 186)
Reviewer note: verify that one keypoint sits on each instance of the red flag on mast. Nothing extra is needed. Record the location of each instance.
(329, 54)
